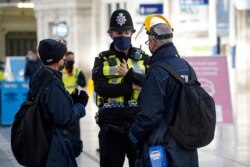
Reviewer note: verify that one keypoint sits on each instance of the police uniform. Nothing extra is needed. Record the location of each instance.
(115, 97)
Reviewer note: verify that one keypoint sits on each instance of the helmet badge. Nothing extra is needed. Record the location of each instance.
(121, 19)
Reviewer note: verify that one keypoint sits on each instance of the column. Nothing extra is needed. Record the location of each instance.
(212, 27)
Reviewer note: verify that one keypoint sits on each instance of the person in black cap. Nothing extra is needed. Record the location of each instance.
(118, 74)
(61, 110)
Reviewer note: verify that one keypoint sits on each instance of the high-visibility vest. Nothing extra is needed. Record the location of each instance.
(110, 63)
(2, 78)
(70, 80)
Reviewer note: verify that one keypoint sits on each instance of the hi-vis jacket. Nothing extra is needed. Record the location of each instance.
(71, 81)
(2, 76)
(113, 90)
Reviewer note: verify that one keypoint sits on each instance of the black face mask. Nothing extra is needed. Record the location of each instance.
(69, 65)
(62, 67)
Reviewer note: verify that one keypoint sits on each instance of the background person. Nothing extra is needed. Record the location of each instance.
(117, 75)
(2, 69)
(33, 63)
(72, 78)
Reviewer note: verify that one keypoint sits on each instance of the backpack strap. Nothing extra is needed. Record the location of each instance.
(170, 69)
(173, 72)
(40, 90)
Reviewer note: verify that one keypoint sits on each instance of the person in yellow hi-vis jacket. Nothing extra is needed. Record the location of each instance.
(2, 64)
(72, 78)
(2, 78)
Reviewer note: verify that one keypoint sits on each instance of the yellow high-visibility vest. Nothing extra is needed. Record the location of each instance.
(2, 78)
(114, 77)
(70, 81)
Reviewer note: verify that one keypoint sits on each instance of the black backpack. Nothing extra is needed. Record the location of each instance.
(29, 143)
(194, 123)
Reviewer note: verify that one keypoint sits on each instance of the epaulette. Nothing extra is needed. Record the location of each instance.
(106, 54)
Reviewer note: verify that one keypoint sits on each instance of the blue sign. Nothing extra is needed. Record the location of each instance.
(12, 95)
(193, 2)
(17, 67)
(146, 9)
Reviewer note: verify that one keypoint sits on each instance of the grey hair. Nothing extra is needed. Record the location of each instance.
(160, 29)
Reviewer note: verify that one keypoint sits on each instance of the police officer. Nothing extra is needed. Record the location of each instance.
(118, 74)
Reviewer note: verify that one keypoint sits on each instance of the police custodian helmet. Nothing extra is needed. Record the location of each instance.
(121, 21)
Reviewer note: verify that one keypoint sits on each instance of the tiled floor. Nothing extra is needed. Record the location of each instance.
(230, 148)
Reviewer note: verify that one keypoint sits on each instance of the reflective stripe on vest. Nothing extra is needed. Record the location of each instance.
(70, 81)
(114, 77)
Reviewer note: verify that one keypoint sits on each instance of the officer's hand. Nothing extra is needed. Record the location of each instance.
(80, 97)
(123, 68)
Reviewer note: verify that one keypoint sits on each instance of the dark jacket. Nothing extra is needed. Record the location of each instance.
(59, 116)
(105, 89)
(158, 99)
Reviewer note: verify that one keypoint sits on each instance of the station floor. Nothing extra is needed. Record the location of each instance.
(230, 147)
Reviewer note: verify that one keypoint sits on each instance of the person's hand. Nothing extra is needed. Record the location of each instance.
(80, 97)
(122, 69)
(136, 87)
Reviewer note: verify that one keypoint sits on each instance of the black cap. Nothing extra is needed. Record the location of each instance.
(121, 21)
(51, 51)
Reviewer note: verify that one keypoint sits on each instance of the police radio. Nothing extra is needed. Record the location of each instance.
(157, 156)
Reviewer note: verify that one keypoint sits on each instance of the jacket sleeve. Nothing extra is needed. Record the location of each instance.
(151, 105)
(81, 80)
(59, 104)
(105, 89)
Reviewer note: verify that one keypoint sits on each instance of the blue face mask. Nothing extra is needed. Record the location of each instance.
(122, 42)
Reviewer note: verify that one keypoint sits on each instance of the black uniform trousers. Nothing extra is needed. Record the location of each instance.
(114, 147)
